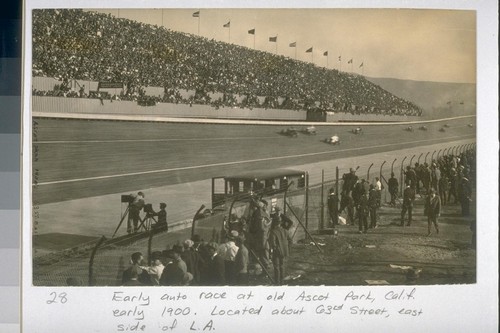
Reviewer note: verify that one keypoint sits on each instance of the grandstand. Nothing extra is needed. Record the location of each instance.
(80, 54)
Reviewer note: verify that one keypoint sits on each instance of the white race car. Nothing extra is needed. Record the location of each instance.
(310, 130)
(333, 140)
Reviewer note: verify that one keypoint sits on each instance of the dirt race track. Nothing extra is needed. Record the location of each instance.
(76, 159)
(81, 158)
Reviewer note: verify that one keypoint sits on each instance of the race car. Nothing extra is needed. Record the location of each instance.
(290, 131)
(446, 125)
(442, 129)
(356, 130)
(470, 125)
(409, 129)
(333, 140)
(423, 128)
(309, 130)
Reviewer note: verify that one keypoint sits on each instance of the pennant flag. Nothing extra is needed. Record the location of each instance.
(361, 65)
(462, 103)
(350, 61)
(196, 14)
(251, 31)
(309, 50)
(340, 58)
(325, 53)
(273, 39)
(449, 102)
(227, 25)
(294, 44)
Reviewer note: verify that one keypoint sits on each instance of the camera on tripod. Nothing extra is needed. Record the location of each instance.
(128, 198)
(148, 209)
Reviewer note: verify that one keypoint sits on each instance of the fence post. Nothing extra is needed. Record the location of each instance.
(425, 159)
(382, 178)
(401, 175)
(307, 199)
(432, 156)
(368, 172)
(411, 159)
(337, 181)
(392, 165)
(418, 160)
(197, 214)
(437, 157)
(91, 261)
(322, 215)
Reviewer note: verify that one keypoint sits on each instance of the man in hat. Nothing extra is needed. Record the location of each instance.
(156, 269)
(214, 273)
(393, 188)
(278, 243)
(136, 260)
(333, 208)
(134, 209)
(241, 261)
(175, 273)
(228, 251)
(432, 210)
(408, 199)
(363, 212)
(465, 193)
(162, 216)
(193, 260)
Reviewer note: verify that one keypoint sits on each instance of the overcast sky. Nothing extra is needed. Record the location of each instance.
(426, 45)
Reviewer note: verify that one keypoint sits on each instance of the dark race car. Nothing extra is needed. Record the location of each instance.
(290, 131)
(409, 129)
(423, 128)
(357, 130)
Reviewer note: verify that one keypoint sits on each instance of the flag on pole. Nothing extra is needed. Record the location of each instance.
(449, 102)
(340, 58)
(294, 44)
(350, 61)
(251, 31)
(309, 50)
(273, 39)
(196, 14)
(227, 25)
(325, 53)
(361, 65)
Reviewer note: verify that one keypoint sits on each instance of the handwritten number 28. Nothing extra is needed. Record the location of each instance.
(57, 298)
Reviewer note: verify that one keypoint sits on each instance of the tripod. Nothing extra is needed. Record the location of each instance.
(147, 221)
(121, 220)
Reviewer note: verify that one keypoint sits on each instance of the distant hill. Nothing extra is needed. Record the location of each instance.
(433, 97)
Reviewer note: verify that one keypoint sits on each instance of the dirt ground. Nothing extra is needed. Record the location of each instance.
(389, 254)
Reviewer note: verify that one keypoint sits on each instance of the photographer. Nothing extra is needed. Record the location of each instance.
(135, 206)
(162, 216)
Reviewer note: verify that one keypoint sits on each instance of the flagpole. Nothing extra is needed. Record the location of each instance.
(229, 32)
(276, 45)
(296, 51)
(327, 60)
(199, 25)
(254, 40)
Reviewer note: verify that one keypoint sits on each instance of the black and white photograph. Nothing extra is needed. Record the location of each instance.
(253, 147)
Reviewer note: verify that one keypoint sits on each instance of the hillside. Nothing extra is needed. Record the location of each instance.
(433, 97)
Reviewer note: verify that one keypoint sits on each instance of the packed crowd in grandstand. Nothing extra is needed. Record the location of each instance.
(71, 44)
